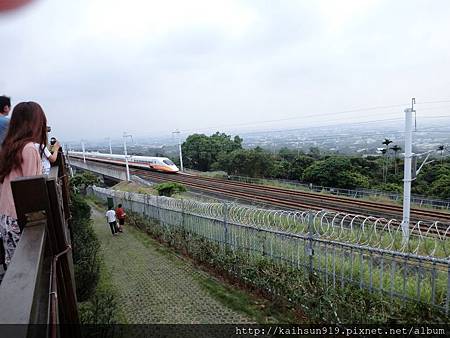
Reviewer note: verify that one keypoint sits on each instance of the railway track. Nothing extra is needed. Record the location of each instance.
(324, 200)
(294, 199)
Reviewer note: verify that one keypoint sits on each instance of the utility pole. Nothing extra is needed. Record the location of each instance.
(110, 148)
(407, 179)
(125, 135)
(179, 148)
(82, 147)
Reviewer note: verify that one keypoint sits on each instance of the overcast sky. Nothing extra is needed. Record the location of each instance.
(101, 67)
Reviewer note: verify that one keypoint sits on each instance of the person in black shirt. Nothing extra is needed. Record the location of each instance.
(55, 146)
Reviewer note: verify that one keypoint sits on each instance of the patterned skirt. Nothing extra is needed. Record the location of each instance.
(10, 235)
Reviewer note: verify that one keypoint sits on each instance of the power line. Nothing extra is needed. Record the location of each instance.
(432, 102)
(434, 117)
(340, 136)
(334, 136)
(315, 126)
(301, 117)
(434, 131)
(348, 125)
(304, 128)
(320, 115)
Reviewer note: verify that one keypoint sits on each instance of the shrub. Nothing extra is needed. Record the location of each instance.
(390, 187)
(80, 182)
(169, 188)
(93, 285)
(85, 249)
(100, 309)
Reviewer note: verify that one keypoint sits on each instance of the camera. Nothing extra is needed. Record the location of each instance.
(52, 141)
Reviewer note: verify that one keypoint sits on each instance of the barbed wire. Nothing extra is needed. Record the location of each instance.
(426, 238)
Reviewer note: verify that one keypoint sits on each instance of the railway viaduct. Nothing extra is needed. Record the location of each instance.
(109, 172)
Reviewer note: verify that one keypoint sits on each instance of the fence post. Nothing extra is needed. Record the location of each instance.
(130, 200)
(182, 213)
(225, 223)
(448, 289)
(263, 239)
(310, 250)
(110, 202)
(64, 179)
(158, 210)
(57, 226)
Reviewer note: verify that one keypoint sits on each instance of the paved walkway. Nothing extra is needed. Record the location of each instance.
(157, 287)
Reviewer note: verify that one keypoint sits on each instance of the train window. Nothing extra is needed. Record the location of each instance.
(168, 162)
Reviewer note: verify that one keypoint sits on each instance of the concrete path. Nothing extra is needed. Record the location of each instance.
(154, 286)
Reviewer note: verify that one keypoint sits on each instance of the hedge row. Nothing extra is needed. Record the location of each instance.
(97, 303)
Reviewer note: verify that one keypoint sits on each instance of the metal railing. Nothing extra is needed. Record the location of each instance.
(340, 253)
(421, 201)
(39, 284)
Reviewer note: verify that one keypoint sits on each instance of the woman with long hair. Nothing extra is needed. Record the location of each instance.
(20, 155)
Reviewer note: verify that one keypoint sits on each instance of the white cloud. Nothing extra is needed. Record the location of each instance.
(156, 65)
(137, 21)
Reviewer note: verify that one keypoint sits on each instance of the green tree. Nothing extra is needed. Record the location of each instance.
(386, 142)
(441, 187)
(396, 149)
(335, 171)
(298, 166)
(200, 152)
(314, 152)
(281, 169)
(390, 187)
(249, 162)
(441, 148)
(80, 182)
(288, 154)
(354, 179)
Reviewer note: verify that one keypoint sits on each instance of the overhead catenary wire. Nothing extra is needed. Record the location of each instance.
(435, 117)
(371, 134)
(253, 123)
(311, 138)
(422, 105)
(432, 102)
(296, 117)
(322, 126)
(308, 138)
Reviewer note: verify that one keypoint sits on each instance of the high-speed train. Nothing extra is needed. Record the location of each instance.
(162, 164)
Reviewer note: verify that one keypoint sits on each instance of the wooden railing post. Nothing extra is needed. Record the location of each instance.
(58, 229)
(64, 180)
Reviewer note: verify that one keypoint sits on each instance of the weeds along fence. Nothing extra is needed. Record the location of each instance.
(340, 249)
